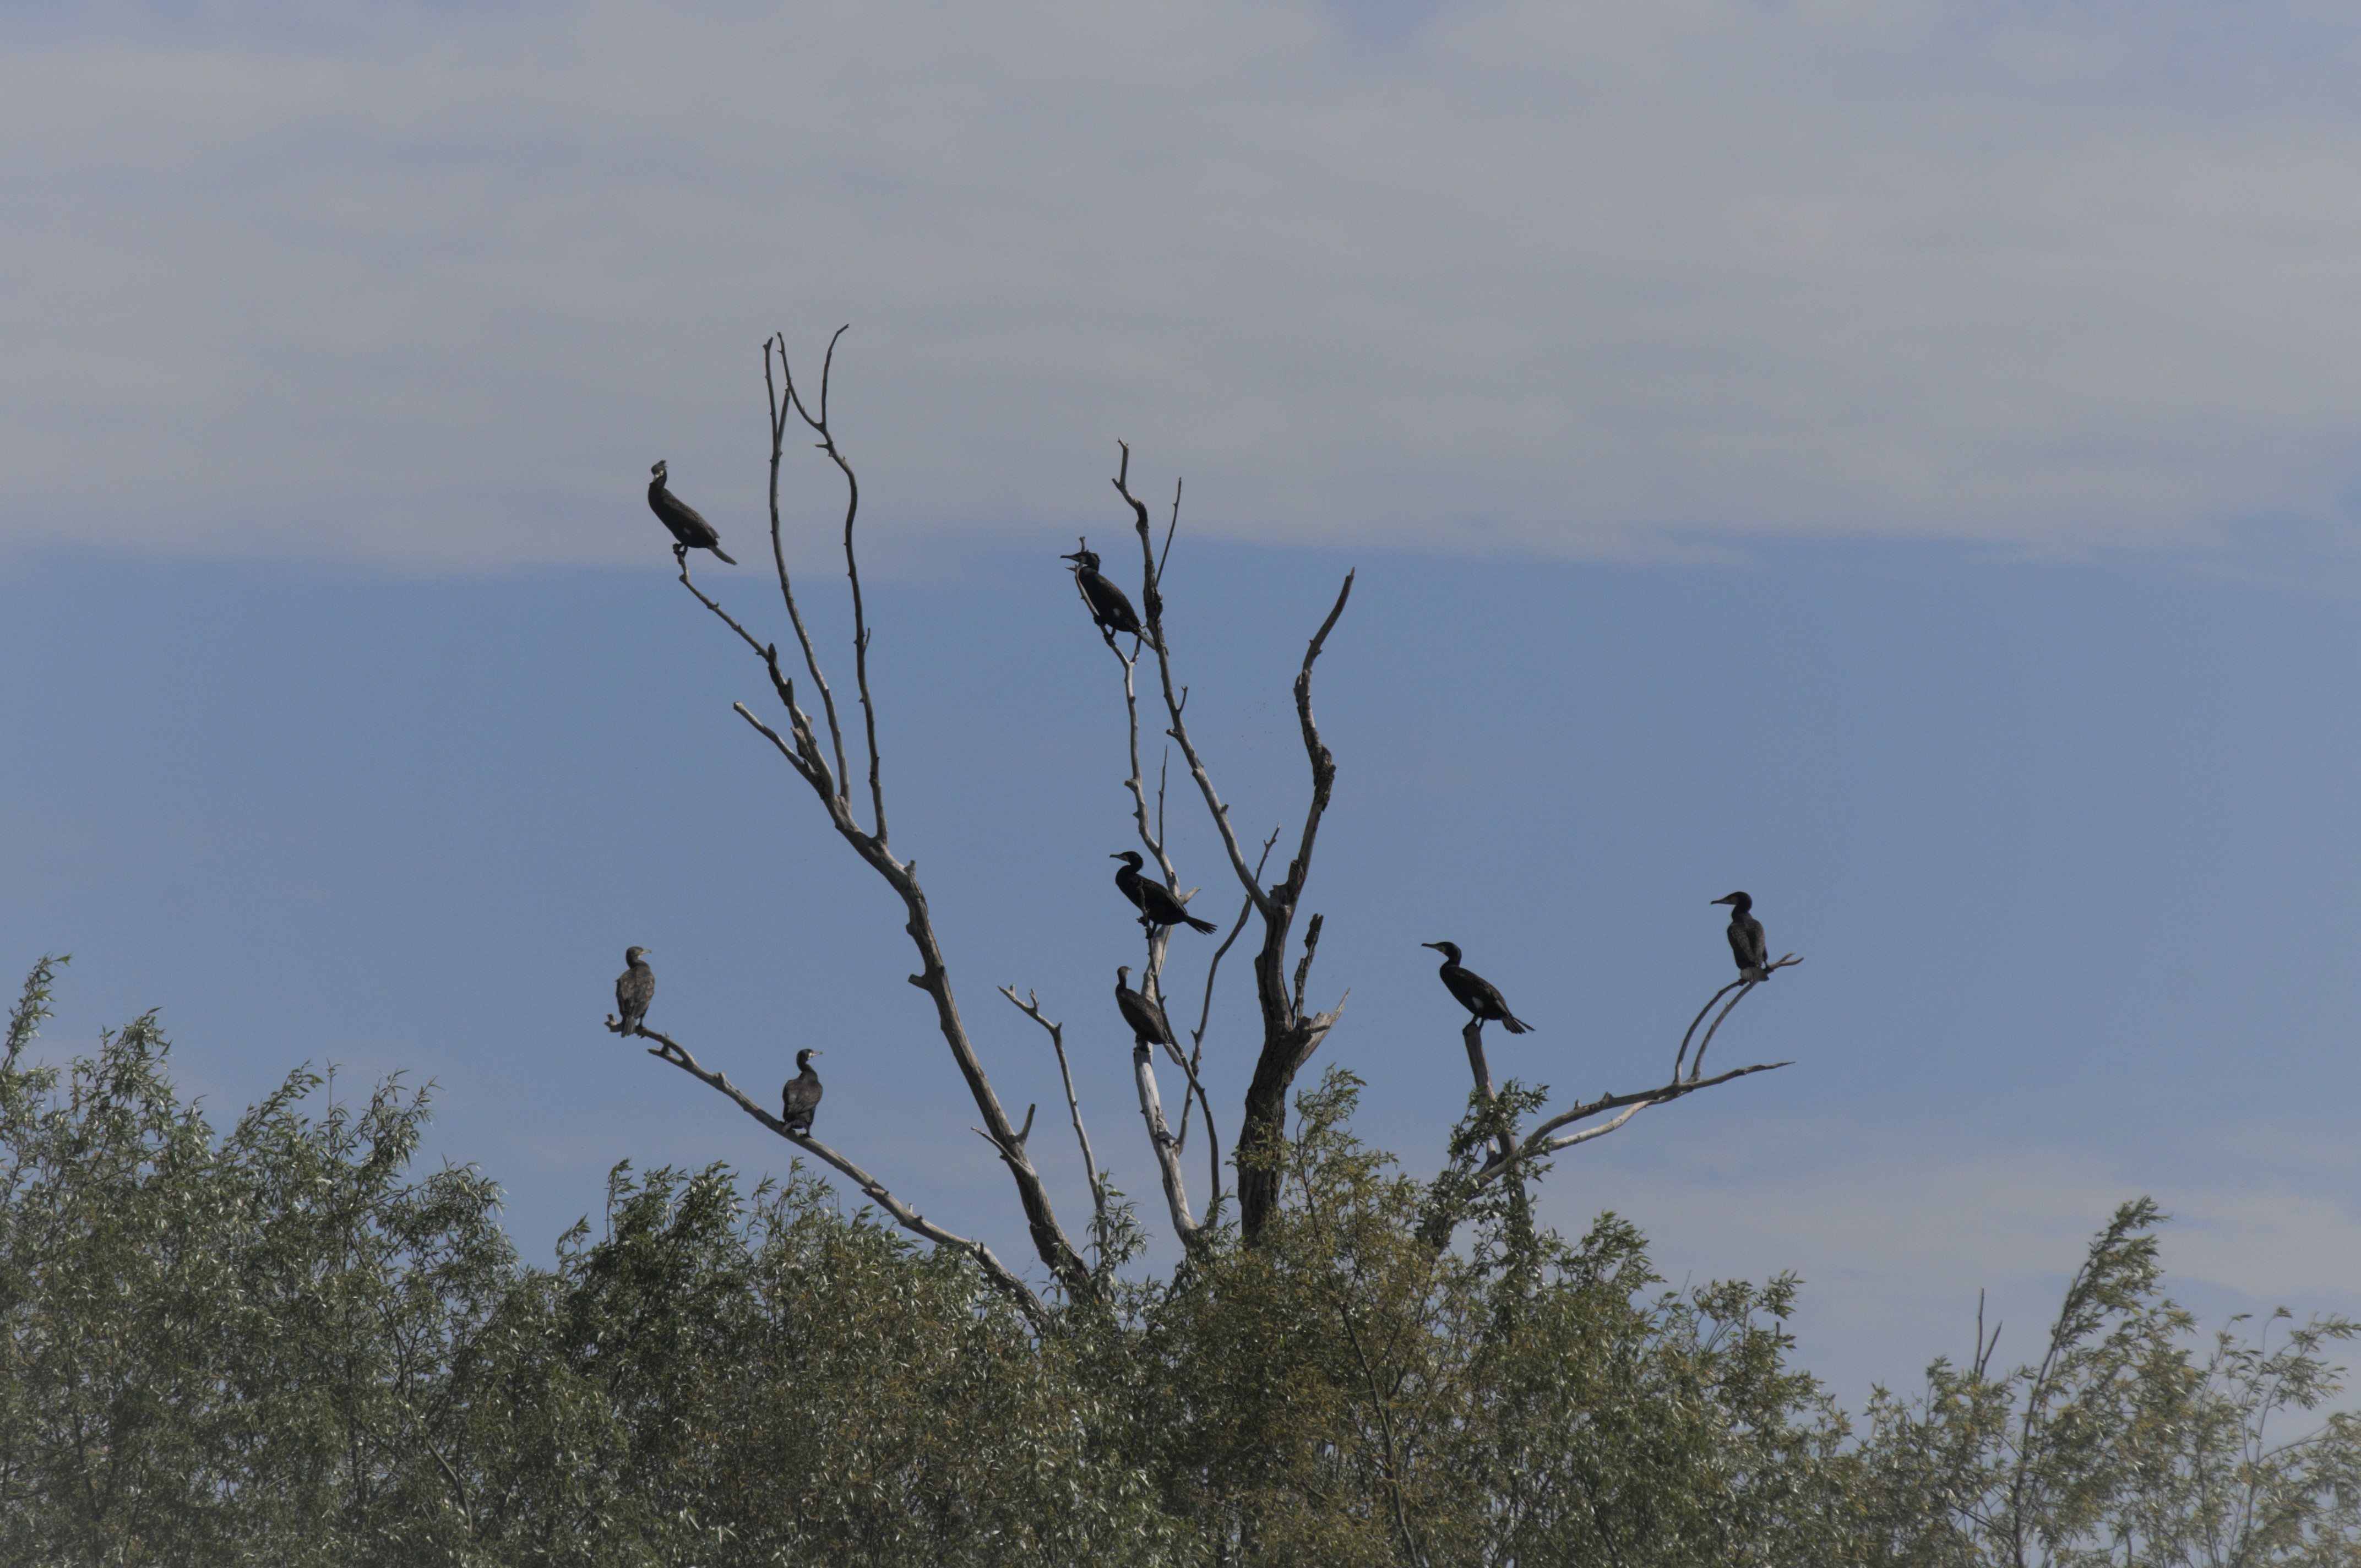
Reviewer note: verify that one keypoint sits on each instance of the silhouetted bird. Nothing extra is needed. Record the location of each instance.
(1746, 943)
(1476, 993)
(1157, 903)
(800, 1096)
(693, 532)
(1146, 1018)
(1109, 608)
(635, 988)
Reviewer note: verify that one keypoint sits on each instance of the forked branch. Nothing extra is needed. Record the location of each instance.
(1031, 1008)
(805, 753)
(1743, 985)
(1290, 1034)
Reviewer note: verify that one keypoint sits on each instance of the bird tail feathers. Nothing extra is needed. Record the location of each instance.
(1196, 923)
(723, 554)
(1516, 1025)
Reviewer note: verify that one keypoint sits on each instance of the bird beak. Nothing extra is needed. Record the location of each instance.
(1117, 856)
(1721, 901)
(1436, 946)
(1071, 556)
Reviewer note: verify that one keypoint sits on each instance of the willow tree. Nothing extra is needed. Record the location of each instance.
(808, 730)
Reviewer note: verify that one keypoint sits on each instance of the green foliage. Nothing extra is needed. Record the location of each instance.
(230, 1348)
(275, 1343)
(2122, 1445)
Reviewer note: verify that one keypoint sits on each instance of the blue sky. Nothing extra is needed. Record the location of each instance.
(1898, 460)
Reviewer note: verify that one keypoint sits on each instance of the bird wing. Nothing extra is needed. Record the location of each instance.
(1158, 903)
(1108, 603)
(1163, 1035)
(687, 524)
(1146, 1019)
(1756, 945)
(1478, 995)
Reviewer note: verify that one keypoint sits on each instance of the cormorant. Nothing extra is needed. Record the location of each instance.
(1109, 608)
(1146, 1018)
(1157, 903)
(693, 532)
(635, 988)
(800, 1096)
(1476, 993)
(1746, 943)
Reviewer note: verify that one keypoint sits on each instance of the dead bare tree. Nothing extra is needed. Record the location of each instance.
(1291, 1030)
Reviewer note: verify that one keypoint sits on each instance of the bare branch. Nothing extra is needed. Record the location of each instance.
(1541, 1142)
(1698, 1066)
(1167, 1147)
(1304, 970)
(827, 444)
(1681, 1057)
(909, 1219)
(1480, 1069)
(1031, 1008)
(781, 402)
(1173, 698)
(1289, 1036)
(1323, 761)
(1205, 1013)
(1197, 1046)
(1049, 1239)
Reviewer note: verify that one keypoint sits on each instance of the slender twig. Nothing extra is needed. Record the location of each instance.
(1197, 1036)
(1745, 986)
(827, 444)
(1158, 939)
(1682, 1054)
(1680, 1058)
(805, 757)
(1169, 530)
(1031, 1008)
(780, 407)
(1541, 1142)
(1323, 763)
(669, 1049)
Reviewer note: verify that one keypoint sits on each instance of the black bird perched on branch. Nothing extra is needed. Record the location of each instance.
(635, 988)
(1146, 1018)
(1746, 942)
(1476, 993)
(800, 1096)
(1158, 904)
(687, 526)
(1109, 608)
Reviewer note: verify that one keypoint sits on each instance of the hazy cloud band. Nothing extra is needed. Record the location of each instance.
(434, 285)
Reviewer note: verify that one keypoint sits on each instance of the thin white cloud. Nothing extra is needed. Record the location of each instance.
(434, 285)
